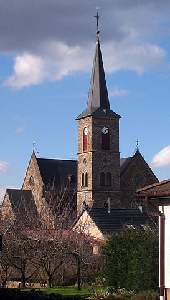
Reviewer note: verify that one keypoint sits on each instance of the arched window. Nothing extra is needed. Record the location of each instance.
(108, 178)
(82, 179)
(31, 181)
(105, 139)
(85, 139)
(102, 179)
(86, 179)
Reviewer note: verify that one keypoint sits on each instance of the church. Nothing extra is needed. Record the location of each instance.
(99, 187)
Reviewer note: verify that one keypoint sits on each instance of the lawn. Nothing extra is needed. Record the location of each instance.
(69, 291)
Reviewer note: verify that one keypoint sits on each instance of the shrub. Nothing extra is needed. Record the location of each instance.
(146, 295)
(131, 259)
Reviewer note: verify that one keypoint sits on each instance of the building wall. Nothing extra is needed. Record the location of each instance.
(86, 225)
(33, 181)
(167, 246)
(6, 210)
(94, 161)
(137, 175)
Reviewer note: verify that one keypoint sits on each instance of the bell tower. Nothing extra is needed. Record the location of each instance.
(98, 145)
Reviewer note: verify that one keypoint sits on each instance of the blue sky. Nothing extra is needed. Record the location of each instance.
(46, 55)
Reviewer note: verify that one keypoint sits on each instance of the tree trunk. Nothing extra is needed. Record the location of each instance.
(78, 273)
(23, 280)
(48, 278)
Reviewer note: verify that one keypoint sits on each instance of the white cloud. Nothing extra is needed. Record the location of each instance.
(130, 55)
(4, 166)
(117, 92)
(57, 60)
(28, 70)
(162, 159)
(52, 42)
(19, 129)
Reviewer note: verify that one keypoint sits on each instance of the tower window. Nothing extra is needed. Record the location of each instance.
(105, 139)
(108, 178)
(85, 139)
(102, 179)
(82, 179)
(86, 179)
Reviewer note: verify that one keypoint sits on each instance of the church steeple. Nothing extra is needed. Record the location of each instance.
(98, 95)
(98, 101)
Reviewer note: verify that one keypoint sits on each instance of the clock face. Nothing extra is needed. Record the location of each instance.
(85, 130)
(105, 130)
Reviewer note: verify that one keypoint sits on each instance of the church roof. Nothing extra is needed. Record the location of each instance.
(117, 218)
(23, 206)
(98, 101)
(124, 162)
(56, 173)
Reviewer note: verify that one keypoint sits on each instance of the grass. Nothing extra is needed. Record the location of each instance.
(68, 291)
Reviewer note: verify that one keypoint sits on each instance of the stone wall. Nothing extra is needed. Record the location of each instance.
(6, 210)
(94, 161)
(137, 175)
(33, 181)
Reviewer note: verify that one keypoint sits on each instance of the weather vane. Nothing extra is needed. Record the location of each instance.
(97, 18)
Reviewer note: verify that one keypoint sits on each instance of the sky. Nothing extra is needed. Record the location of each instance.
(46, 56)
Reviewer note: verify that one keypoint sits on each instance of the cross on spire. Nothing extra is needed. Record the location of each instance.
(137, 145)
(97, 19)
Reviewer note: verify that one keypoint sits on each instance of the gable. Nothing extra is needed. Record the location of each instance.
(33, 180)
(136, 164)
(6, 210)
(87, 225)
(19, 205)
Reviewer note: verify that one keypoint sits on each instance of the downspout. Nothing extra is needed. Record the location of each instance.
(161, 238)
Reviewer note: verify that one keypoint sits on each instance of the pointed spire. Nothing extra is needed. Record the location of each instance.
(98, 95)
(98, 101)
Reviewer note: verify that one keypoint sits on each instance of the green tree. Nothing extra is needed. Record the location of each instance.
(131, 259)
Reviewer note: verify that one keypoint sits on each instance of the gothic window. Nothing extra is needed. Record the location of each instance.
(102, 179)
(105, 139)
(82, 179)
(31, 181)
(85, 139)
(86, 179)
(108, 178)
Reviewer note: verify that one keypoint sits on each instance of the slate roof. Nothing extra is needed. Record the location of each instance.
(98, 101)
(124, 162)
(23, 206)
(55, 173)
(117, 218)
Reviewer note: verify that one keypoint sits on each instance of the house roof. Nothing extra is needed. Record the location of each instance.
(156, 188)
(117, 218)
(57, 173)
(98, 101)
(23, 206)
